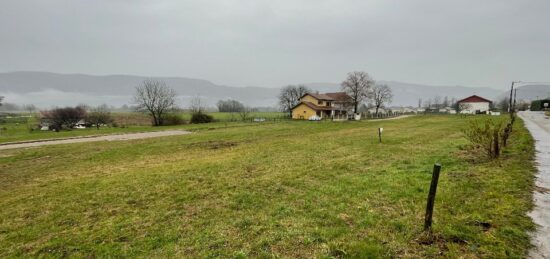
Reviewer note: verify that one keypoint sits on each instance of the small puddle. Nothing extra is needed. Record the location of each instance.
(539, 127)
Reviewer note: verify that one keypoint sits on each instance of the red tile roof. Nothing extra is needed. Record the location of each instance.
(337, 96)
(474, 99)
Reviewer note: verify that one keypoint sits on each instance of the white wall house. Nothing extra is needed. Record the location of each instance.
(474, 104)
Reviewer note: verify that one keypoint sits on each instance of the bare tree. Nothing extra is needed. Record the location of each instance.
(357, 85)
(197, 105)
(381, 94)
(1, 99)
(245, 113)
(437, 102)
(100, 115)
(29, 108)
(290, 96)
(428, 103)
(63, 117)
(154, 97)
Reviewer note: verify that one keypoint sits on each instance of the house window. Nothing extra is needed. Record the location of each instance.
(328, 103)
(320, 102)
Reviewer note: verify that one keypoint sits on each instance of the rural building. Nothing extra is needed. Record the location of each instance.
(474, 104)
(322, 106)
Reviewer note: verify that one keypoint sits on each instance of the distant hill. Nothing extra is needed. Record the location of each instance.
(529, 92)
(46, 89)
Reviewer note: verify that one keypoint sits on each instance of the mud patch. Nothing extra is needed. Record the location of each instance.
(214, 144)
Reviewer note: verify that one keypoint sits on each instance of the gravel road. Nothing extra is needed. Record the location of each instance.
(539, 126)
(117, 137)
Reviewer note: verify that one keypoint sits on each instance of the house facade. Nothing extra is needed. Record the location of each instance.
(474, 104)
(322, 106)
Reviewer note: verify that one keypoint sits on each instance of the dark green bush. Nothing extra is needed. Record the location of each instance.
(200, 117)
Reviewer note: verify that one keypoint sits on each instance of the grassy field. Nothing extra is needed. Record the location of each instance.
(286, 189)
(19, 129)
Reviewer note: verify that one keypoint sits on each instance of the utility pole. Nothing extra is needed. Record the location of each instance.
(510, 99)
(515, 94)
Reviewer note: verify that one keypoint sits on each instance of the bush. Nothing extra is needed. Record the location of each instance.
(485, 135)
(63, 117)
(200, 117)
(172, 119)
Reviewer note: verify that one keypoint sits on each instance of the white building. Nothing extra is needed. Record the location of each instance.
(474, 104)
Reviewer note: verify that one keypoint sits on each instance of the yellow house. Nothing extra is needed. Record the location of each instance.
(313, 106)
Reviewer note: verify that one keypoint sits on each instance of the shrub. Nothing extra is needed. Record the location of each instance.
(485, 135)
(63, 117)
(200, 117)
(172, 119)
(100, 115)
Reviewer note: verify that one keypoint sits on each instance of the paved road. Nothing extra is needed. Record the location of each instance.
(117, 137)
(539, 126)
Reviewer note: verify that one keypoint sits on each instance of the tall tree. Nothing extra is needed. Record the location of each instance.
(381, 94)
(100, 115)
(357, 85)
(445, 102)
(437, 102)
(1, 99)
(156, 98)
(197, 105)
(290, 96)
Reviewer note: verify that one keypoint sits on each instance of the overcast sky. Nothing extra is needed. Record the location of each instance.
(273, 43)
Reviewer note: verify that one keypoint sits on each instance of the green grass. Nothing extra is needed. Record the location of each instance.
(288, 189)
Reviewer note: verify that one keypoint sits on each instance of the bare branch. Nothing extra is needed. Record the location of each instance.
(154, 97)
(357, 85)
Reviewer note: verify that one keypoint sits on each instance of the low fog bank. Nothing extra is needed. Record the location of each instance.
(50, 98)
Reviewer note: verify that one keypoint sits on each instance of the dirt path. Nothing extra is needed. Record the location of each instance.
(117, 137)
(539, 126)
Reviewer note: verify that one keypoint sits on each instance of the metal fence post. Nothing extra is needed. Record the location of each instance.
(431, 197)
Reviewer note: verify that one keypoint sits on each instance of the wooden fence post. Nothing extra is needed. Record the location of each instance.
(431, 197)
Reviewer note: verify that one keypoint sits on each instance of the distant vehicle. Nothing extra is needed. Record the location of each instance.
(314, 118)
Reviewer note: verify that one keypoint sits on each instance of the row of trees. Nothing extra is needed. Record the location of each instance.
(69, 117)
(157, 99)
(358, 85)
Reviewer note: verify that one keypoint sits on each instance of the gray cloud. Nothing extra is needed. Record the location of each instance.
(272, 43)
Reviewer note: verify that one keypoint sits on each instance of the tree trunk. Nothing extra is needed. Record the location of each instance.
(376, 111)
(496, 147)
